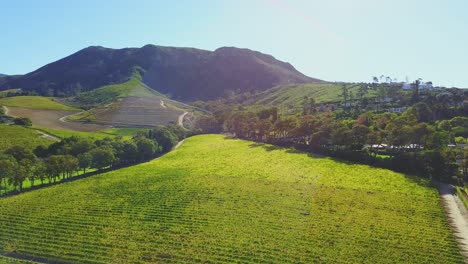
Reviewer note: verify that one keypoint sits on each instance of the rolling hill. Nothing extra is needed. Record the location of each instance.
(182, 73)
(35, 102)
(222, 200)
(292, 96)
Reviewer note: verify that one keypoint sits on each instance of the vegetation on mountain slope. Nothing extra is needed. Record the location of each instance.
(35, 102)
(292, 96)
(223, 200)
(184, 73)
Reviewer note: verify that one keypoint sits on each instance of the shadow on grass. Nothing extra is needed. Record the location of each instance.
(292, 150)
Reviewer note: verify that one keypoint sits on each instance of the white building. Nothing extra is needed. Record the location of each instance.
(422, 86)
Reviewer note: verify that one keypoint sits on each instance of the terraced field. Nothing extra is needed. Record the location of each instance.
(131, 104)
(132, 111)
(221, 201)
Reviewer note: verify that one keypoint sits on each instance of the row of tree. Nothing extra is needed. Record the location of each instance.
(62, 159)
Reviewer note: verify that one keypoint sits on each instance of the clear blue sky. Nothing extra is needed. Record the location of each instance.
(335, 40)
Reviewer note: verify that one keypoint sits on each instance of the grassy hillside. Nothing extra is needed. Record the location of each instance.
(19, 136)
(223, 200)
(109, 93)
(34, 102)
(292, 96)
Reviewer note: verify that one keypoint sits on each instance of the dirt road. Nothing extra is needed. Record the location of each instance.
(457, 216)
(6, 111)
(181, 119)
(49, 136)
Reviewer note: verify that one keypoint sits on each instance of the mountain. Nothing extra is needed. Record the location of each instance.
(182, 73)
(2, 75)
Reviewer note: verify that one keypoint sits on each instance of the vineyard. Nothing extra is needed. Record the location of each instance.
(130, 104)
(20, 136)
(221, 201)
(35, 102)
(286, 95)
(110, 132)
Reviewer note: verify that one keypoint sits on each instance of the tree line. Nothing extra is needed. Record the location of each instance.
(71, 155)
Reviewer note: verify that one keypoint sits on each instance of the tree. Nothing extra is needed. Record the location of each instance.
(375, 79)
(344, 93)
(146, 148)
(8, 166)
(28, 172)
(22, 121)
(54, 167)
(102, 157)
(422, 111)
(464, 163)
(312, 106)
(85, 161)
(415, 91)
(164, 138)
(80, 145)
(41, 151)
(40, 170)
(128, 152)
(70, 164)
(360, 133)
(208, 124)
(20, 153)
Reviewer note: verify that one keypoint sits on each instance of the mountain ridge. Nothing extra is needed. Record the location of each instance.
(183, 73)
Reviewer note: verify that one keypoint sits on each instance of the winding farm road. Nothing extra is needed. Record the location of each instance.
(64, 118)
(457, 215)
(181, 120)
(6, 110)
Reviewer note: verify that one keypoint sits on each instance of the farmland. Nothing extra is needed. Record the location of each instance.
(51, 119)
(130, 104)
(35, 102)
(110, 132)
(20, 136)
(224, 200)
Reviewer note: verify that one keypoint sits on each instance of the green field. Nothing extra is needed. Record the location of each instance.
(222, 200)
(111, 132)
(20, 136)
(35, 102)
(292, 96)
